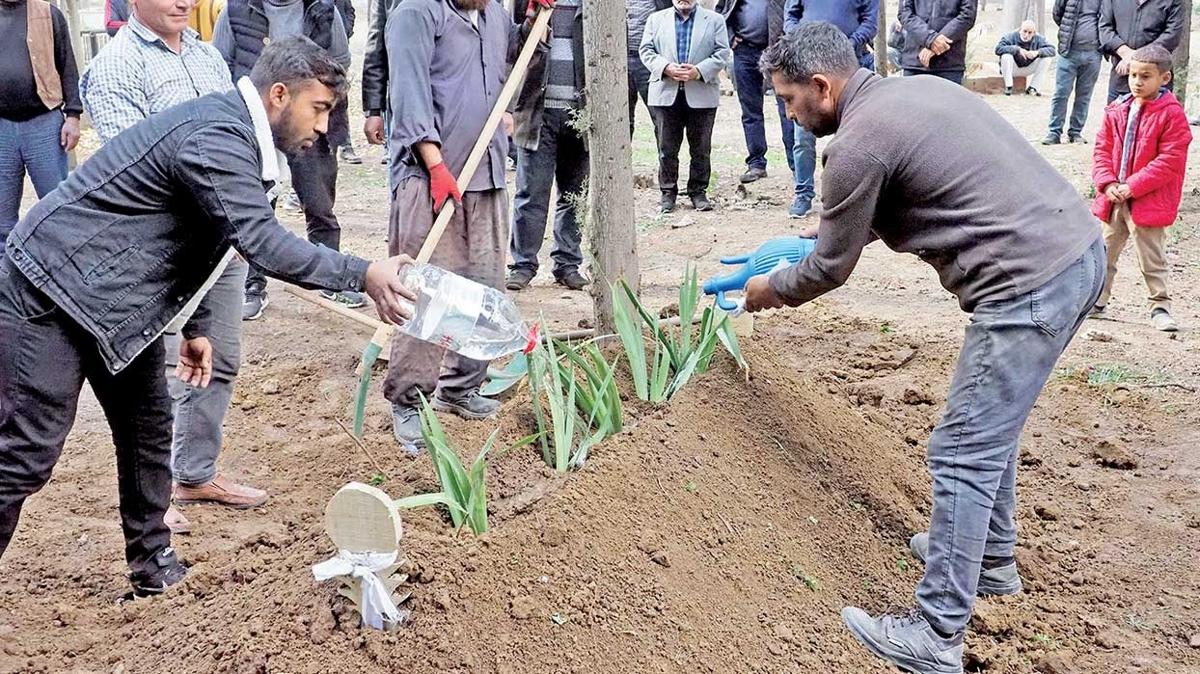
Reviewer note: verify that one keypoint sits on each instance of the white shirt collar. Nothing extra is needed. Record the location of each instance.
(272, 158)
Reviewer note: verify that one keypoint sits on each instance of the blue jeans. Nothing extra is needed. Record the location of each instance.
(34, 147)
(1076, 71)
(1008, 353)
(561, 157)
(804, 160)
(200, 412)
(751, 88)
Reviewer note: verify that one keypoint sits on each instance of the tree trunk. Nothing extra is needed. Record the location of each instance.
(1183, 56)
(609, 219)
(1016, 11)
(882, 63)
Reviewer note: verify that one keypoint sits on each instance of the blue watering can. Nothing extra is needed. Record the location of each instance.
(784, 251)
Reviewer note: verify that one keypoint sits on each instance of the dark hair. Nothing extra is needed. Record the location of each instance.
(293, 62)
(1155, 54)
(814, 47)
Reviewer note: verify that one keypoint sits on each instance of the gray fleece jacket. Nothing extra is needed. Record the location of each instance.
(930, 169)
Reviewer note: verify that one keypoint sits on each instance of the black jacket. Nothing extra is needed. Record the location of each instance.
(774, 16)
(1067, 14)
(1126, 22)
(530, 103)
(1012, 45)
(130, 236)
(924, 20)
(375, 60)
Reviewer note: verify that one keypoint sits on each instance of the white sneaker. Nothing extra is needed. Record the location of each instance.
(1161, 320)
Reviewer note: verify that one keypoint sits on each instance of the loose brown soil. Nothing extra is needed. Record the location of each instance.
(721, 532)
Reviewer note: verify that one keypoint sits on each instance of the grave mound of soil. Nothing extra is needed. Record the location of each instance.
(729, 526)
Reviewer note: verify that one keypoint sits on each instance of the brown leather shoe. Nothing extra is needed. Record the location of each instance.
(222, 491)
(176, 522)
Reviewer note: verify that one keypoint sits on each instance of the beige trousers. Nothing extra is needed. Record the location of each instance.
(474, 246)
(1150, 243)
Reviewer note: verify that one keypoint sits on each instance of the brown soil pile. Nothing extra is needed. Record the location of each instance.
(737, 520)
(722, 532)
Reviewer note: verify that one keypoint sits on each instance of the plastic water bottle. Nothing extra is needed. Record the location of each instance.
(466, 317)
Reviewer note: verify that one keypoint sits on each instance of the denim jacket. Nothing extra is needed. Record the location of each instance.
(125, 243)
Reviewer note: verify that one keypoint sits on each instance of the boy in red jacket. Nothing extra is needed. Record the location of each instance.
(1138, 166)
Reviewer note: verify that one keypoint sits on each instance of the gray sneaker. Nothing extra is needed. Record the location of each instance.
(406, 426)
(255, 302)
(347, 298)
(907, 641)
(996, 582)
(472, 406)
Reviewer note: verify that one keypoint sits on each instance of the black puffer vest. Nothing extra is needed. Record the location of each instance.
(248, 23)
(1066, 15)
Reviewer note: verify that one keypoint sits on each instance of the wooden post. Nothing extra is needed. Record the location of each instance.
(1183, 55)
(75, 25)
(882, 62)
(1016, 11)
(609, 217)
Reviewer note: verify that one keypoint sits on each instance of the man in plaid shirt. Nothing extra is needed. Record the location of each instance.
(155, 63)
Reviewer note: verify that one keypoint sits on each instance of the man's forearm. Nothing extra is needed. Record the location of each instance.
(430, 153)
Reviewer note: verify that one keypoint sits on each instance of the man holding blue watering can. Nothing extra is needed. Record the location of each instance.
(930, 169)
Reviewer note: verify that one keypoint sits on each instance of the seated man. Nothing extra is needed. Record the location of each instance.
(1024, 52)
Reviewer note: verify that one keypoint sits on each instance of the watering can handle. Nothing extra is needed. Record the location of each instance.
(737, 259)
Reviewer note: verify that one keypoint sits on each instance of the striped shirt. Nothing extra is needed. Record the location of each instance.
(683, 35)
(137, 75)
(1135, 111)
(562, 91)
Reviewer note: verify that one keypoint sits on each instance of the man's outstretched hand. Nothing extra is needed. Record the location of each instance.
(384, 286)
(760, 296)
(195, 362)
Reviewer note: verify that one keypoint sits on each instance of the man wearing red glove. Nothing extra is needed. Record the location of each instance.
(440, 95)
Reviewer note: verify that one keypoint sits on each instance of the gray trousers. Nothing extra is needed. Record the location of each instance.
(200, 412)
(472, 247)
(1008, 353)
(561, 156)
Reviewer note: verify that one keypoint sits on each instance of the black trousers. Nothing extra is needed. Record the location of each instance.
(672, 124)
(639, 87)
(44, 359)
(314, 177)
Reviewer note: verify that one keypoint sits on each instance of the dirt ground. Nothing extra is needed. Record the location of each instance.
(721, 532)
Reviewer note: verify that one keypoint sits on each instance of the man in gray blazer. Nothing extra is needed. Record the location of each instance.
(685, 48)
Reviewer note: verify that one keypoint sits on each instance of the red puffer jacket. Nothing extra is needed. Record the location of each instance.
(1159, 159)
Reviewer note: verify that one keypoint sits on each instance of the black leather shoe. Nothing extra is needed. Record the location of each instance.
(667, 203)
(753, 174)
(519, 279)
(701, 203)
(167, 572)
(573, 280)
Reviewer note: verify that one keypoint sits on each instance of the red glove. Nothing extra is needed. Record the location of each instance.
(442, 186)
(535, 5)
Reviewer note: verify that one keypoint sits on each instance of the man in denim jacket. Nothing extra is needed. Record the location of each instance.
(128, 244)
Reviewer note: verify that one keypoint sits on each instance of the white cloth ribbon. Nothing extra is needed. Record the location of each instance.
(376, 603)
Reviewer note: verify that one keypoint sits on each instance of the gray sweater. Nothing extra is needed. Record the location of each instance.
(930, 169)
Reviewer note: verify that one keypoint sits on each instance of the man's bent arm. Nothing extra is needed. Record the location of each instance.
(962, 24)
(410, 53)
(852, 184)
(220, 167)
